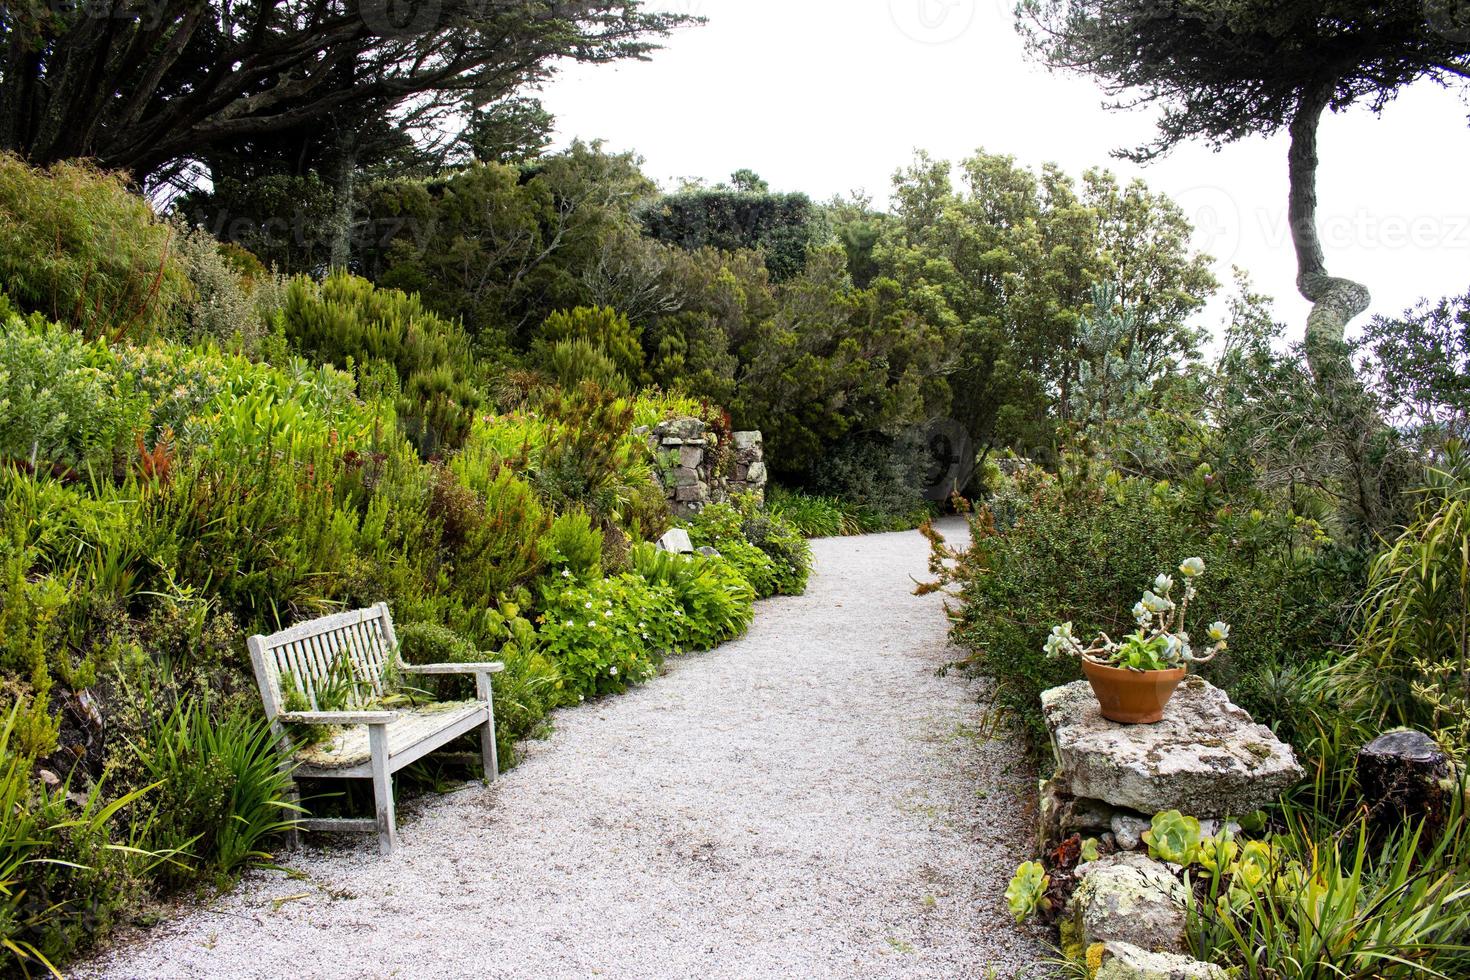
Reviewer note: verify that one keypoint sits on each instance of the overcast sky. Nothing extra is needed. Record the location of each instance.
(826, 97)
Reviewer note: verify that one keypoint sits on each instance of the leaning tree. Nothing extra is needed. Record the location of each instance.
(147, 85)
(1223, 70)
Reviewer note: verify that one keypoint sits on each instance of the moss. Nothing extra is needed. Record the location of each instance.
(1071, 937)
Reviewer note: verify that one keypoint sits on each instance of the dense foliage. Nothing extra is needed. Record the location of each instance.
(161, 497)
(783, 227)
(1344, 581)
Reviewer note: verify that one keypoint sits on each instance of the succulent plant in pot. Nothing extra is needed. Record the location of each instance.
(1134, 678)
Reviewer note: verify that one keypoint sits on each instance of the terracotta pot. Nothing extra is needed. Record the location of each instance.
(1132, 697)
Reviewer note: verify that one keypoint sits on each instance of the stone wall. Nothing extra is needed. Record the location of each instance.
(696, 470)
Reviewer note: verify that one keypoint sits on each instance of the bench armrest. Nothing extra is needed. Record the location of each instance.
(488, 667)
(337, 717)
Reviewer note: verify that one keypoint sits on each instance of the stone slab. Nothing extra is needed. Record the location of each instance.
(1206, 758)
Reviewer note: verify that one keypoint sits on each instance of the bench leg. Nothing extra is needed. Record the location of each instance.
(293, 836)
(488, 752)
(383, 789)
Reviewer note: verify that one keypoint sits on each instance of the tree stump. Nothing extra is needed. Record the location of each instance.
(1401, 775)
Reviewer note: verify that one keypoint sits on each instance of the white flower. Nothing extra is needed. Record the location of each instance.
(678, 612)
(566, 573)
(1141, 615)
(641, 626)
(607, 614)
(1059, 640)
(591, 624)
(1156, 603)
(570, 623)
(1219, 632)
(1163, 584)
(612, 672)
(587, 605)
(1191, 567)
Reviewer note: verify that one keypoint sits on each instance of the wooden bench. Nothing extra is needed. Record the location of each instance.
(361, 648)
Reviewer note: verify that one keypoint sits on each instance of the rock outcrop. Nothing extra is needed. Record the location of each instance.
(1128, 897)
(1125, 961)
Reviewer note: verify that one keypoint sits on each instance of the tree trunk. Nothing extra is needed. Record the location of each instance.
(1335, 302)
(343, 186)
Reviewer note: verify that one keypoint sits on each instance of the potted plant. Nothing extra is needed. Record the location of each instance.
(1133, 680)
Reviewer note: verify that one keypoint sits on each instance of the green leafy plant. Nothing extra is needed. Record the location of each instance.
(223, 788)
(609, 633)
(771, 553)
(716, 601)
(1026, 894)
(1412, 664)
(1173, 837)
(1340, 907)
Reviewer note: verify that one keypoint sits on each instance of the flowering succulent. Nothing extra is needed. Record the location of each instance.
(1161, 642)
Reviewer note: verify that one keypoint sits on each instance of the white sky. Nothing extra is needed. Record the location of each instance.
(825, 97)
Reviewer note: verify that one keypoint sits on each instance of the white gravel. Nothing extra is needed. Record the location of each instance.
(810, 801)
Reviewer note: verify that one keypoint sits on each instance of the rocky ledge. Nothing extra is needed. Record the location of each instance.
(1207, 758)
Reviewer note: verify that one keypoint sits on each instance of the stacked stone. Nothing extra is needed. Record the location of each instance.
(1207, 758)
(749, 475)
(697, 477)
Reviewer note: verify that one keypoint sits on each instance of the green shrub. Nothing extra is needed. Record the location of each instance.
(233, 299)
(1053, 549)
(574, 362)
(63, 401)
(878, 476)
(573, 545)
(769, 551)
(1342, 906)
(602, 330)
(1412, 662)
(718, 604)
(346, 318)
(500, 547)
(431, 643)
(78, 247)
(791, 556)
(222, 792)
(609, 633)
(66, 867)
(813, 516)
(591, 459)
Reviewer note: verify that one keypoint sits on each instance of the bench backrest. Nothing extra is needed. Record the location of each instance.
(345, 654)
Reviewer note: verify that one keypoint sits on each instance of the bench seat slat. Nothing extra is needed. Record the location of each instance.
(347, 750)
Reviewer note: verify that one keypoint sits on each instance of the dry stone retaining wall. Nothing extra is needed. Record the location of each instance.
(697, 470)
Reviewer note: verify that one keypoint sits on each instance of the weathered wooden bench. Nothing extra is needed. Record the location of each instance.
(361, 647)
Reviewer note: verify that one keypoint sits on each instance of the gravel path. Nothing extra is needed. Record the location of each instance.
(810, 801)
